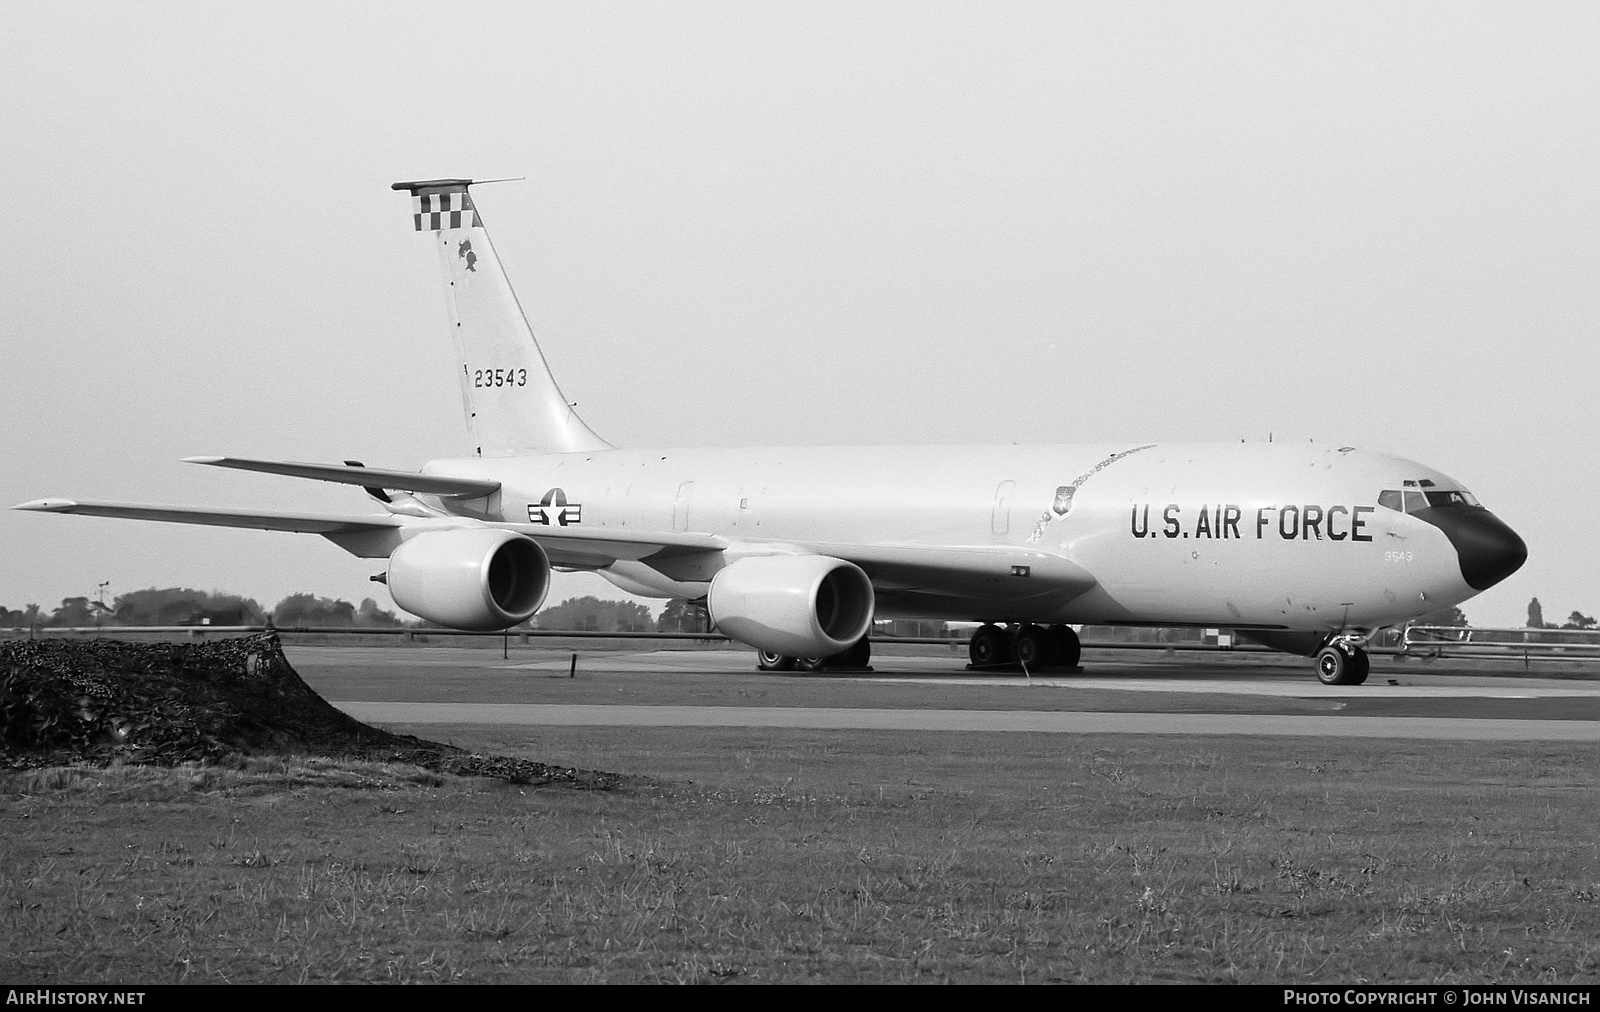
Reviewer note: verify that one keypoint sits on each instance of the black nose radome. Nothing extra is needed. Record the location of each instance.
(1489, 550)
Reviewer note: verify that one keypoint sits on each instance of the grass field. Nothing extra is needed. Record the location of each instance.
(794, 856)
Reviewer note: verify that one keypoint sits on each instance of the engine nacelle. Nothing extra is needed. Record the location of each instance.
(470, 579)
(798, 605)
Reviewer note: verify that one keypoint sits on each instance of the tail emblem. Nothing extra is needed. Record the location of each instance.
(465, 250)
(1063, 503)
(557, 499)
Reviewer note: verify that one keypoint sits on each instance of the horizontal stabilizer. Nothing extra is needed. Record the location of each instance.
(261, 520)
(406, 481)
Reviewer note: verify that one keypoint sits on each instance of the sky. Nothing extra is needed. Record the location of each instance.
(837, 223)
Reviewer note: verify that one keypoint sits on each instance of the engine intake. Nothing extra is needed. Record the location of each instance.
(478, 579)
(797, 605)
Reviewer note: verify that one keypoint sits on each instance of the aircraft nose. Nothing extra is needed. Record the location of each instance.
(1488, 549)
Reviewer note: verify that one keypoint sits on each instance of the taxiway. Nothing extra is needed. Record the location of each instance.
(1196, 695)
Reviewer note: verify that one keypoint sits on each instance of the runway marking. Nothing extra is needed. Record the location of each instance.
(1050, 722)
(655, 660)
(924, 672)
(1264, 686)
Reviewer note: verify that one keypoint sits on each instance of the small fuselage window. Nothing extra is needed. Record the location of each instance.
(1411, 500)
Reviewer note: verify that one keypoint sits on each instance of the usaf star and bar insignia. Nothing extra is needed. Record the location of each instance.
(554, 507)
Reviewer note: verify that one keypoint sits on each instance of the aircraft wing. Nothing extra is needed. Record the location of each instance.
(598, 547)
(376, 535)
(995, 572)
(369, 536)
(990, 571)
(367, 477)
(261, 520)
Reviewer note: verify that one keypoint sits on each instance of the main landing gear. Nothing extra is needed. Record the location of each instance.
(1025, 645)
(1342, 662)
(853, 659)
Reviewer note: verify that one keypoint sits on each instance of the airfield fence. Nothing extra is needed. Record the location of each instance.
(1528, 644)
(1413, 641)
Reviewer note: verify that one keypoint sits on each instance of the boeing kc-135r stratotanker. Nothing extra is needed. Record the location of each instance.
(794, 550)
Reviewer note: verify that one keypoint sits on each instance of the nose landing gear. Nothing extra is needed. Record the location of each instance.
(1342, 662)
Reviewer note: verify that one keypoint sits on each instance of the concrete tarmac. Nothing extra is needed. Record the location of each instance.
(839, 719)
(1210, 694)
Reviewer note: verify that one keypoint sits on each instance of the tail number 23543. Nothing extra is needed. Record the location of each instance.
(499, 377)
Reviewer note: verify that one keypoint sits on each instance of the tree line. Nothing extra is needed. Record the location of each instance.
(177, 606)
(186, 606)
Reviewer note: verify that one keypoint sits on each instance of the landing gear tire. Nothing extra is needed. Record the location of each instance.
(1340, 664)
(1067, 648)
(810, 663)
(1032, 646)
(1361, 666)
(1333, 666)
(988, 646)
(766, 660)
(858, 656)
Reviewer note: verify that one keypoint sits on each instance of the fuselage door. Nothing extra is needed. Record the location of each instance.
(1000, 519)
(680, 507)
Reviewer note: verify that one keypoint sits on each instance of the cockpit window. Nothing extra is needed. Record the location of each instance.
(1410, 500)
(1460, 497)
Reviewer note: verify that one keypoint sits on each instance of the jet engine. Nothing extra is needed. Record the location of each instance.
(796, 605)
(470, 579)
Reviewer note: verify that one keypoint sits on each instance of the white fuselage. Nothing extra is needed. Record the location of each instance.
(1249, 534)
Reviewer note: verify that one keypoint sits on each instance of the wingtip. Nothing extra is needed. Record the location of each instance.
(45, 505)
(203, 460)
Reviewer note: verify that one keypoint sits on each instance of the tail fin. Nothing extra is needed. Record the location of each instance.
(512, 402)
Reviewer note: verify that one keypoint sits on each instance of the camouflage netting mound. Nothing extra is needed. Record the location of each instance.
(104, 701)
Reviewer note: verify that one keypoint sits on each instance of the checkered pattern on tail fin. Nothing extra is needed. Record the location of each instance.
(435, 211)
